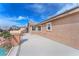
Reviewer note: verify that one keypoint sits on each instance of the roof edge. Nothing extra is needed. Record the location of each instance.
(53, 18)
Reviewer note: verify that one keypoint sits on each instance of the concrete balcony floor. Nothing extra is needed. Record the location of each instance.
(35, 45)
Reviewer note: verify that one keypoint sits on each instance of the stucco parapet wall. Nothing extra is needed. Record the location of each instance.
(72, 11)
(16, 32)
(16, 37)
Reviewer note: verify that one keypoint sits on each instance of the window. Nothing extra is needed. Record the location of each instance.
(49, 27)
(39, 28)
(33, 28)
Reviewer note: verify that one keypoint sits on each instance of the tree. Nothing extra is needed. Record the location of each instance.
(6, 34)
(14, 27)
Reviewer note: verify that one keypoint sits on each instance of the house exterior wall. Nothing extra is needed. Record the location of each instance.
(64, 30)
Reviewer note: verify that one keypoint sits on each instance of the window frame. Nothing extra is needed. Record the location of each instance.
(47, 25)
(40, 28)
(33, 29)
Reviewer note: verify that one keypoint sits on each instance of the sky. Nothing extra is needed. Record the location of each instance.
(20, 13)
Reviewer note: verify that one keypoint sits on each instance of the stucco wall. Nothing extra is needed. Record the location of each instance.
(15, 40)
(65, 30)
(16, 37)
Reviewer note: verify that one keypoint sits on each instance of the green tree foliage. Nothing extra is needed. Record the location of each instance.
(6, 34)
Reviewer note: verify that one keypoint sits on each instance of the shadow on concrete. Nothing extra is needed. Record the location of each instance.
(19, 49)
(23, 40)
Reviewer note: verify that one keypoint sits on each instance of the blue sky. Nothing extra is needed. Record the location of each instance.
(19, 13)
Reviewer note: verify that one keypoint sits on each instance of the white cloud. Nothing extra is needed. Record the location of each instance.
(16, 18)
(40, 8)
(13, 18)
(9, 21)
(20, 18)
(67, 7)
(44, 17)
(31, 20)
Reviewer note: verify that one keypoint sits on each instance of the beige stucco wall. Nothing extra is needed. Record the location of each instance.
(65, 30)
(16, 36)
